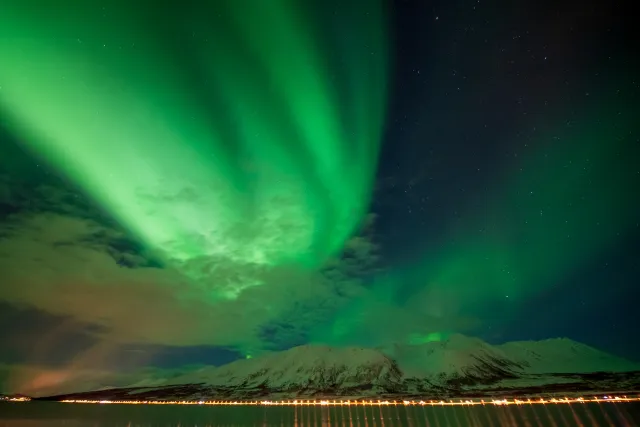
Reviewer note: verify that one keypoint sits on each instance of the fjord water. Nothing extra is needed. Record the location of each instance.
(49, 414)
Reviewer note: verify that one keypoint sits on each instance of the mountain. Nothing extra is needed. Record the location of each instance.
(460, 366)
(472, 359)
(562, 355)
(304, 370)
(303, 367)
(458, 358)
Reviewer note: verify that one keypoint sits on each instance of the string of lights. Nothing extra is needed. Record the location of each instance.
(467, 402)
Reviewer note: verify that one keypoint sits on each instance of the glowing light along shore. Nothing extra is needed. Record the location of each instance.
(468, 402)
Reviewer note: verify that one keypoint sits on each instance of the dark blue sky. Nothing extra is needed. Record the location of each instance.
(479, 83)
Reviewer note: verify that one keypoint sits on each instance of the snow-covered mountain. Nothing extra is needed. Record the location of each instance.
(562, 355)
(473, 358)
(303, 367)
(458, 366)
(459, 357)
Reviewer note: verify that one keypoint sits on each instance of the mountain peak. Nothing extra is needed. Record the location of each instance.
(460, 364)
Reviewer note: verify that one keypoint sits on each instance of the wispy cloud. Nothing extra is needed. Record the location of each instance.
(59, 255)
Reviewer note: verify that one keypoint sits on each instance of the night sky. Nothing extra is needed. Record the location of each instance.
(193, 184)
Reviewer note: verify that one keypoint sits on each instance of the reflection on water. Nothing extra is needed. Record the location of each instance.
(37, 414)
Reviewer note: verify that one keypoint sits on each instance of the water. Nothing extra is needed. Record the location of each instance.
(45, 414)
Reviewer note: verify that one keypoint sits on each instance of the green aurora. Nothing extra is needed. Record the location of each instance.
(239, 132)
(231, 142)
(554, 211)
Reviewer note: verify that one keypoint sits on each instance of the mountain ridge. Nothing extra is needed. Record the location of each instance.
(459, 366)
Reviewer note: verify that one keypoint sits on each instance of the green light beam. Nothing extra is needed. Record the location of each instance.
(229, 133)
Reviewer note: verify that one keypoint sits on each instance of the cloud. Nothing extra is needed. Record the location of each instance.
(61, 255)
(66, 259)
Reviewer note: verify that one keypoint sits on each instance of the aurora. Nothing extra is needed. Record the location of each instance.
(232, 137)
(538, 226)
(187, 185)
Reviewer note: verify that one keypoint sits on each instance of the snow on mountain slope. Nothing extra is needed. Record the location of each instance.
(199, 376)
(460, 366)
(304, 366)
(462, 356)
(456, 358)
(562, 355)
